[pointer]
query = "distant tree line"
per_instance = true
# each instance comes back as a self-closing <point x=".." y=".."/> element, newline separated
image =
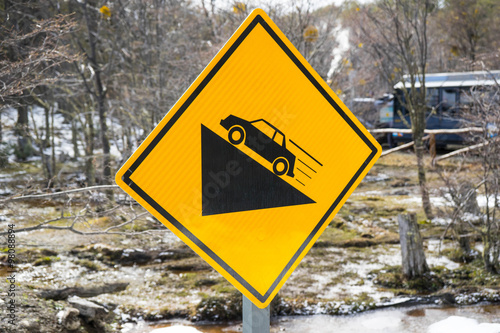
<point x="114" y="69"/>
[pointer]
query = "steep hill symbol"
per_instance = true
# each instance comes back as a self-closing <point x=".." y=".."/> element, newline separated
<point x="234" y="182"/>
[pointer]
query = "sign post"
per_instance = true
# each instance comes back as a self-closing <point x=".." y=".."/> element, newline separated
<point x="255" y="320"/>
<point x="253" y="161"/>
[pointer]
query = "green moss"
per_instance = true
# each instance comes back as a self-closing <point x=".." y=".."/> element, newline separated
<point x="223" y="288"/>
<point x="205" y="282"/>
<point x="470" y="276"/>
<point x="388" y="212"/>
<point x="333" y="236"/>
<point x="220" y="308"/>
<point x="359" y="299"/>
<point x="89" y="264"/>
<point x="45" y="261"/>
<point x="182" y="293"/>
<point x="203" y="295"/>
<point x="392" y="277"/>
<point x="456" y="254"/>
<point x="342" y="278"/>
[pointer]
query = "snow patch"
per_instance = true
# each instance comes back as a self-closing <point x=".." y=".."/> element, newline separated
<point x="376" y="178"/>
<point x="483" y="200"/>
<point x="59" y="317"/>
<point x="457" y="324"/>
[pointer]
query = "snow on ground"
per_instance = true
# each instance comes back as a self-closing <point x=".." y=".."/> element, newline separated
<point x="63" y="137"/>
<point x="435" y="259"/>
<point x="457" y="324"/>
<point x="482" y="201"/>
<point x="386" y="256"/>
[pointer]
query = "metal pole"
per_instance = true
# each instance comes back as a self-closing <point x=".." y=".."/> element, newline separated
<point x="255" y="320"/>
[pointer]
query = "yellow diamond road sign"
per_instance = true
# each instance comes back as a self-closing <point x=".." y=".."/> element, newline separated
<point x="254" y="160"/>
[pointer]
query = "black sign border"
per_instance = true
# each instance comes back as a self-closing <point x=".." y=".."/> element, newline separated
<point x="126" y="177"/>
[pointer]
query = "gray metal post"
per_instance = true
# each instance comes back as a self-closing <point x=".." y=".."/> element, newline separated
<point x="255" y="320"/>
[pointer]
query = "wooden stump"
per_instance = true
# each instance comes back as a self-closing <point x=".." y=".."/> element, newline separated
<point x="468" y="199"/>
<point x="412" y="251"/>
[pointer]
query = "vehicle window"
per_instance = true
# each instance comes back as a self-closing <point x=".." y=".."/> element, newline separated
<point x="386" y="113"/>
<point x="278" y="138"/>
<point x="264" y="128"/>
<point x="465" y="97"/>
<point x="449" y="98"/>
<point x="399" y="103"/>
<point x="432" y="97"/>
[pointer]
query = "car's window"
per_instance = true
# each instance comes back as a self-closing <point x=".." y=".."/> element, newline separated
<point x="466" y="97"/>
<point x="278" y="138"/>
<point x="264" y="128"/>
<point x="449" y="98"/>
<point x="432" y="97"/>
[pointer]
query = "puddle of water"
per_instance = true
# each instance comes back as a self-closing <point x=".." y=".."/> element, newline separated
<point x="413" y="320"/>
<point x="407" y="320"/>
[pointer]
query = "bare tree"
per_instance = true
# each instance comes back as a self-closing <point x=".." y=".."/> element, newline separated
<point x="463" y="185"/>
<point x="30" y="50"/>
<point x="95" y="61"/>
<point x="470" y="27"/>
<point x="395" y="34"/>
<point x="310" y="31"/>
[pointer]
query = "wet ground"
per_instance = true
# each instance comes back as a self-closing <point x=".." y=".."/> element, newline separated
<point x="408" y="320"/>
<point x="338" y="272"/>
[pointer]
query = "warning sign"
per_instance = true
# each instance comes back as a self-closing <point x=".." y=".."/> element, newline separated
<point x="253" y="161"/>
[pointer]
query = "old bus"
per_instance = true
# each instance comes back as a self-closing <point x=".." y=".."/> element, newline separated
<point x="448" y="96"/>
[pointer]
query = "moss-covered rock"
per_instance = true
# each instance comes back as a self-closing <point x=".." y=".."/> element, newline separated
<point x="220" y="308"/>
<point x="45" y="260"/>
<point x="392" y="277"/>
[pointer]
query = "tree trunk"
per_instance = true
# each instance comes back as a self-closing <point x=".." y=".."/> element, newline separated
<point x="74" y="138"/>
<point x="1" y="133"/>
<point x="24" y="148"/>
<point x="467" y="198"/>
<point x="104" y="139"/>
<point x="100" y="94"/>
<point x="89" y="150"/>
<point x="491" y="254"/>
<point x="422" y="181"/>
<point x="46" y="140"/>
<point x="44" y="144"/>
<point x="53" y="144"/>
<point x="412" y="251"/>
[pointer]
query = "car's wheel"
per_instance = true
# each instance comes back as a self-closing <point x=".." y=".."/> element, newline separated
<point x="280" y="166"/>
<point x="236" y="135"/>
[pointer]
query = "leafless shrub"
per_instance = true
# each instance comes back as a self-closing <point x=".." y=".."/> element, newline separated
<point x="479" y="179"/>
<point x="28" y="59"/>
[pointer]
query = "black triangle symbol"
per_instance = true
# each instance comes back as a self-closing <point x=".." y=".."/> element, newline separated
<point x="234" y="182"/>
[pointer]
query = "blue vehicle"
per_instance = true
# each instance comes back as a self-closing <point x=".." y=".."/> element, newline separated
<point x="264" y="139"/>
<point x="448" y="95"/>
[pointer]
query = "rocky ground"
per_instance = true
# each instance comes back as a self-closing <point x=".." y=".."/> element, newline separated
<point x="355" y="265"/>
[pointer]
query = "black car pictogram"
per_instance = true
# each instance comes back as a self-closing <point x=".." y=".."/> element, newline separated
<point x="264" y="139"/>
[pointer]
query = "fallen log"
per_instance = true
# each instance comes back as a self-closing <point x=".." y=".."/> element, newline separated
<point x="61" y="294"/>
<point x="406" y="145"/>
<point x="463" y="150"/>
